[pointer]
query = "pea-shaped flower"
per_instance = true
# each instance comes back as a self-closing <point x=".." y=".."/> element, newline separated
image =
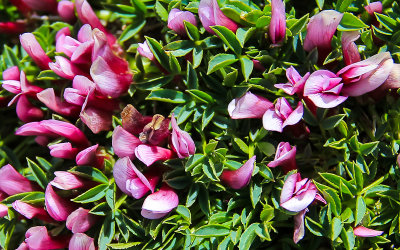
<point x="176" y="20"/>
<point x="181" y="141"/>
<point x="210" y="15"/>
<point x="239" y="178"/>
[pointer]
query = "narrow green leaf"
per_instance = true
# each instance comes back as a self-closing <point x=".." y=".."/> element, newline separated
<point x="332" y="121"/>
<point x="167" y="95"/>
<point x="161" y="11"/>
<point x="44" y="163"/>
<point x="246" y="66"/>
<point x="336" y="228"/>
<point x="192" y="82"/>
<point x="219" y="61"/>
<point x="93" y="194"/>
<point x="129" y="245"/>
<point x="91" y="173"/>
<point x="191" y="31"/>
<point x="106" y="233"/>
<point x="131" y="30"/>
<point x="255" y="193"/>
<point x="208" y="231"/>
<point x="184" y="212"/>
<point x="241" y="145"/>
<point x="367" y="148"/>
<point x="348" y="238"/>
<point x="361" y="208"/>
<point x="207" y="117"/>
<point x="299" y="25"/>
<point x="158" y="53"/>
<point x="229" y="38"/>
<point x="350" y="22"/>
<point x="201" y="95"/>
<point x="38" y="173"/>
<point x="248" y="236"/>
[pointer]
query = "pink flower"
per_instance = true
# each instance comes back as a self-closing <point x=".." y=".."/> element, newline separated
<point x="181" y="141"/>
<point x="55" y="103"/>
<point x="11" y="73"/>
<point x="374" y="7"/>
<point x="144" y="50"/>
<point x="66" y="11"/>
<point x="131" y="181"/>
<point x="96" y="119"/>
<point x="26" y="112"/>
<point x="81" y="241"/>
<point x="133" y="121"/>
<point x="63" y="150"/>
<point x="124" y="143"/>
<point x="285" y="157"/>
<point x="80" y="220"/>
<point x="240" y="177"/>
<point x="3" y="210"/>
<point x="277" y="27"/>
<point x="29" y="211"/>
<point x="248" y="106"/>
<point x="38" y="238"/>
<point x="323" y="89"/>
<point x="210" y="15"/>
<point x="67" y="181"/>
<point x="58" y="207"/>
<point x="16" y="27"/>
<point x="12" y="182"/>
<point x="297" y="194"/>
<point x="65" y="68"/>
<point x="282" y="115"/>
<point x="299" y="231"/>
<point x="160" y="203"/>
<point x="88" y="156"/>
<point x="365" y="76"/>
<point x="150" y="154"/>
<point x="176" y="20"/>
<point x="295" y="84"/>
<point x="42" y="5"/>
<point x="361" y="231"/>
<point x="34" y="50"/>
<point x="349" y="48"/>
<point x="320" y="31"/>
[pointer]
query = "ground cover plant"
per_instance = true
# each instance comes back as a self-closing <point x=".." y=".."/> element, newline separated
<point x="208" y="124"/>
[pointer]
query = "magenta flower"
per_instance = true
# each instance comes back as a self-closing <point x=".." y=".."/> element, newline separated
<point x="65" y="68"/>
<point x="66" y="11"/>
<point x="149" y="154"/>
<point x="96" y="119"/>
<point x="55" y="103"/>
<point x="295" y="84"/>
<point x="42" y="5"/>
<point x="181" y="141"/>
<point x="11" y="73"/>
<point x="248" y="106"/>
<point x="124" y="143"/>
<point x="81" y="241"/>
<point x="144" y="50"/>
<point x="67" y="181"/>
<point x="131" y="181"/>
<point x="210" y="15"/>
<point x="240" y="177"/>
<point x="361" y="231"/>
<point x="59" y="208"/>
<point x="34" y="50"/>
<point x="16" y="27"/>
<point x="282" y="115"/>
<point x="12" y="182"/>
<point x="374" y="7"/>
<point x="365" y="76"/>
<point x="277" y="27"/>
<point x="297" y="194"/>
<point x="349" y="48"/>
<point x="80" y="220"/>
<point x="89" y="157"/>
<point x="26" y="111"/>
<point x="176" y="20"/>
<point x="39" y="238"/>
<point x="285" y="157"/>
<point x="299" y="228"/>
<point x="160" y="203"/>
<point x="3" y="210"/>
<point x="63" y="150"/>
<point x="320" y="31"/>
<point x="323" y="89"/>
<point x="29" y="211"/>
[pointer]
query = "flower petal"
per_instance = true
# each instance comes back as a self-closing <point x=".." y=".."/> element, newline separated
<point x="239" y="178"/>
<point x="150" y="154"/>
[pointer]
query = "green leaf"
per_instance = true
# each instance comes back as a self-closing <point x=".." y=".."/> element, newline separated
<point x="161" y="11"/>
<point x="140" y="6"/>
<point x="10" y="57"/>
<point x="336" y="228"/>
<point x="208" y="231"/>
<point x="201" y="95"/>
<point x="229" y="38"/>
<point x="159" y="53"/>
<point x="335" y="181"/>
<point x="361" y="208"/>
<point x="387" y="22"/>
<point x="193" y="161"/>
<point x="348" y="238"/>
<point x="44" y="163"/>
<point x="192" y="195"/>
<point x="106" y="233"/>
<point x="204" y="200"/>
<point x="320" y="4"/>
<point x="34" y="198"/>
<point x="350" y="22"/>
<point x="209" y="170"/>
<point x="101" y="209"/>
<point x="91" y="173"/>
<point x="333" y="200"/>
<point x="167" y="95"/>
<point x="38" y="173"/>
<point x="342" y="5"/>
<point x="93" y="194"/>
<point x="315" y="228"/>
<point x="219" y="61"/>
<point x="184" y="212"/>
<point x="299" y="25"/>
<point x="192" y="31"/>
<point x="244" y="34"/>
<point x="241" y="145"/>
<point x="129" y="245"/>
<point x="153" y="83"/>
<point x="208" y="114"/>
<point x="249" y="235"/>
<point x="247" y="67"/>
<point x="47" y="75"/>
<point x="255" y="193"/>
<point x="192" y="82"/>
<point x="131" y="30"/>
<point x="367" y="148"/>
<point x="332" y="121"/>
<point x="197" y="56"/>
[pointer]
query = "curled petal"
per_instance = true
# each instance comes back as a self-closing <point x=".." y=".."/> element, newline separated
<point x="182" y="143"/>
<point x="12" y="182"/>
<point x="67" y="181"/>
<point x="272" y="121"/>
<point x="349" y="48"/>
<point x="67" y="130"/>
<point x="277" y="27"/>
<point x="26" y="112"/>
<point x="150" y="154"/>
<point x="13" y="86"/>
<point x="42" y="5"/>
<point x="3" y="210"/>
<point x="361" y="231"/>
<point x="38" y="238"/>
<point x="210" y="15"/>
<point x="239" y="178"/>
<point x="374" y="7"/>
<point x="30" y="211"/>
<point x="160" y="203"/>
<point x="11" y="73"/>
<point x="133" y="121"/>
<point x="176" y="18"/>
<point x="295" y="116"/>
<point x="301" y="201"/>
<point x="53" y="102"/>
<point x="80" y="220"/>
<point x="81" y="241"/>
<point x="248" y="106"/>
<point x="285" y="156"/>
<point x="289" y="187"/>
<point x="124" y="143"/>
<point x="96" y="119"/>
<point x="64" y="68"/>
<point x="66" y="11"/>
<point x="58" y="207"/>
<point x="298" y="233"/>
<point x="87" y="156"/>
<point x="34" y="50"/>
<point x="63" y="150"/>
<point x="144" y="50"/>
